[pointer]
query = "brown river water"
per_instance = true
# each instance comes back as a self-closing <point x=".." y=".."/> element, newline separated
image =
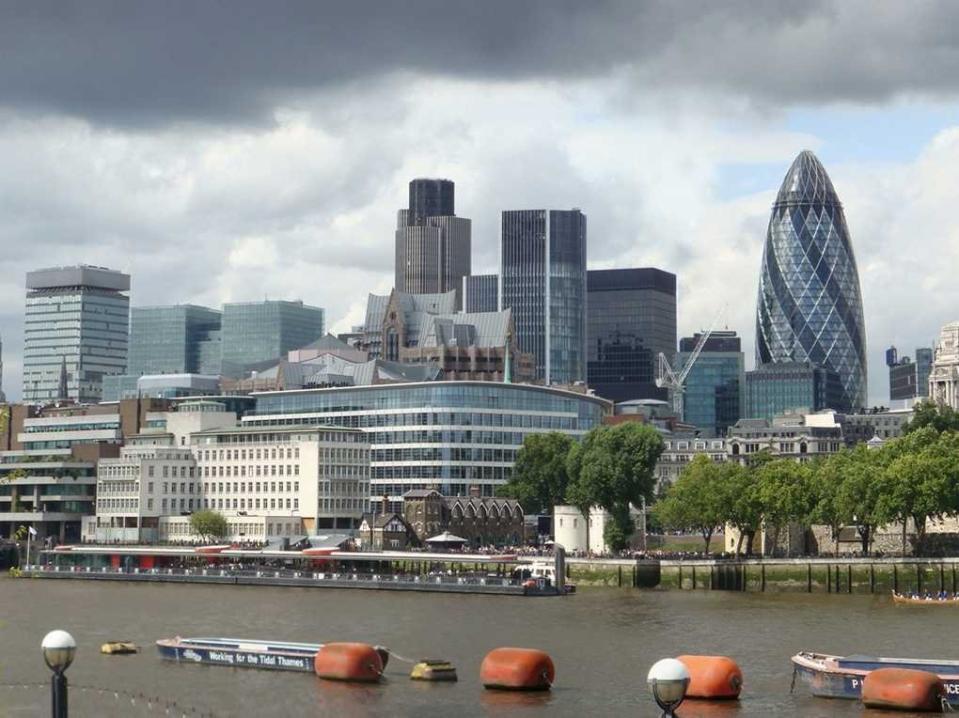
<point x="602" y="641"/>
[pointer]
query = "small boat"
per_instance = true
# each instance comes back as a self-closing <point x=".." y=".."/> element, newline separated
<point x="119" y="648"/>
<point x="898" y="598"/>
<point x="830" y="676"/>
<point x="244" y="653"/>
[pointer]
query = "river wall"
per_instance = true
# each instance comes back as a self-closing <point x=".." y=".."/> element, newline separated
<point x="879" y="576"/>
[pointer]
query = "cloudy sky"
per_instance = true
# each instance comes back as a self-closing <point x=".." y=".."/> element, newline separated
<point x="224" y="151"/>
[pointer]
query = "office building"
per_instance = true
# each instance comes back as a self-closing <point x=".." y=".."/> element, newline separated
<point x="543" y="280"/>
<point x="630" y="319"/>
<point x="76" y="330"/>
<point x="809" y="306"/>
<point x="774" y="389"/>
<point x="178" y="339"/>
<point x="908" y="380"/>
<point x="433" y="246"/>
<point x="452" y="436"/>
<point x="481" y="293"/>
<point x="255" y="332"/>
<point x="715" y="386"/>
<point x="426" y="329"/>
<point x="944" y="375"/>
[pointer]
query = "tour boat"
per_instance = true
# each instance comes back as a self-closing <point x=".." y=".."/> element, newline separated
<point x="919" y="601"/>
<point x="842" y="676"/>
<point x="245" y="653"/>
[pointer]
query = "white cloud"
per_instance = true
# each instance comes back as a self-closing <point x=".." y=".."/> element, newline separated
<point x="305" y="208"/>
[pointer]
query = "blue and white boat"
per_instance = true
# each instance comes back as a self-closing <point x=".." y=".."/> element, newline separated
<point x="240" y="653"/>
<point x="842" y="676"/>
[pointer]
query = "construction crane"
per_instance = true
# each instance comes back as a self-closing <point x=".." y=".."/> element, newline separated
<point x="676" y="382"/>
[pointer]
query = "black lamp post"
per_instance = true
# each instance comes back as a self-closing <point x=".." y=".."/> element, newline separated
<point x="58" y="651"/>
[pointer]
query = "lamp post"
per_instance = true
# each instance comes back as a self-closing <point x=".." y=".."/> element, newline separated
<point x="668" y="680"/>
<point x="58" y="651"/>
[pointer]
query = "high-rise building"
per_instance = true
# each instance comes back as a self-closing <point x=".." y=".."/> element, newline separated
<point x="784" y="387"/>
<point x="170" y="340"/>
<point x="630" y="319"/>
<point x="810" y="307"/>
<point x="481" y="293"/>
<point x="543" y="280"/>
<point x="908" y="380"/>
<point x="254" y="332"/>
<point x="715" y="386"/>
<point x="433" y="245"/>
<point x="75" y="328"/>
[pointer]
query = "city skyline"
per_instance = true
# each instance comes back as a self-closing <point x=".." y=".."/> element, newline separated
<point x="284" y="183"/>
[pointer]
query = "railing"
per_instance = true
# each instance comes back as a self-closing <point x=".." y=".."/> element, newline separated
<point x="268" y="573"/>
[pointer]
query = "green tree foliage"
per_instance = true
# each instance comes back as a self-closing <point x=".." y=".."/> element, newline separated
<point x="786" y="494"/>
<point x="539" y="478"/>
<point x="930" y="414"/>
<point x="697" y="501"/>
<point x="617" y="532"/>
<point x="744" y="509"/>
<point x="208" y="525"/>
<point x="613" y="468"/>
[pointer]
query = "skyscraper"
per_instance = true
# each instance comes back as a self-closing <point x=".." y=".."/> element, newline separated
<point x="171" y="340"/>
<point x="254" y="332"/>
<point x="907" y="380"/>
<point x="809" y="306"/>
<point x="433" y="246"/>
<point x="715" y="387"/>
<point x="630" y="319"/>
<point x="543" y="280"/>
<point x="75" y="332"/>
<point x="481" y="293"/>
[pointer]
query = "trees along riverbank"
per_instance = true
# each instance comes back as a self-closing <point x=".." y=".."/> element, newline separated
<point x="612" y="467"/>
<point x="912" y="477"/>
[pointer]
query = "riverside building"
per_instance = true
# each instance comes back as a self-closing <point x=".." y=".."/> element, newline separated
<point x="714" y="398"/>
<point x="75" y="332"/>
<point x="452" y="436"/>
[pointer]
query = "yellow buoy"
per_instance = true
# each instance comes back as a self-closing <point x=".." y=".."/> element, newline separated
<point x="433" y="669"/>
<point x="119" y="647"/>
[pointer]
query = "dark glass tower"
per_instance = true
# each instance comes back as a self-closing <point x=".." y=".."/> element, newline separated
<point x="810" y="307"/>
<point x="543" y="280"/>
<point x="630" y="319"/>
<point x="433" y="246"/>
<point x="430" y="198"/>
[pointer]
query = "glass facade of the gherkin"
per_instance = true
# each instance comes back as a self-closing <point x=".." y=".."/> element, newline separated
<point x="810" y="306"/>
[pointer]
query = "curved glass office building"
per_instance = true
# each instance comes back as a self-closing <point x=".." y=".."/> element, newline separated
<point x="810" y="306"/>
<point x="454" y="436"/>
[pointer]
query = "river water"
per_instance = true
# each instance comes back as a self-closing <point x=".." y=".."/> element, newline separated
<point x="602" y="641"/>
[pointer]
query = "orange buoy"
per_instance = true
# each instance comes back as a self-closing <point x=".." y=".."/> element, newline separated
<point x="712" y="677"/>
<point x="517" y="669"/>
<point x="903" y="689"/>
<point x="348" y="662"/>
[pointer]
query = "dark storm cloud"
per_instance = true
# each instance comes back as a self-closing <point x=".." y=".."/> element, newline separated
<point x="133" y="63"/>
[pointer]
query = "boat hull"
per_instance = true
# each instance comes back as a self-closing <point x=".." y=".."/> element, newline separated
<point x="846" y="683"/>
<point x="235" y="657"/>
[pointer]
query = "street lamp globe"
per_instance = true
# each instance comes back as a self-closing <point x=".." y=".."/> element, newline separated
<point x="668" y="680"/>
<point x="58" y="650"/>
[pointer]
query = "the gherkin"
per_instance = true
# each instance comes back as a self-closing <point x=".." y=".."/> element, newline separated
<point x="810" y="306"/>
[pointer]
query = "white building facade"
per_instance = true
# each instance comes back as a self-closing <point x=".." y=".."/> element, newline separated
<point x="944" y="377"/>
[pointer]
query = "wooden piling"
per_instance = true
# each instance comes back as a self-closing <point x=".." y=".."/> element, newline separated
<point x="808" y="578"/>
<point x="694" y="577"/>
<point x="849" y="576"/>
<point x="872" y="578"/>
<point x="895" y="578"/>
<point x="762" y="587"/>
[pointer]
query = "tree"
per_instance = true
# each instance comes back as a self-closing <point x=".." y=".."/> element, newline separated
<point x="613" y="468"/>
<point x="616" y="533"/>
<point x="697" y="500"/>
<point x="785" y="494"/>
<point x="921" y="480"/>
<point x="858" y="490"/>
<point x="744" y="510"/>
<point x="928" y="413"/>
<point x="539" y="476"/>
<point x="208" y="525"/>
